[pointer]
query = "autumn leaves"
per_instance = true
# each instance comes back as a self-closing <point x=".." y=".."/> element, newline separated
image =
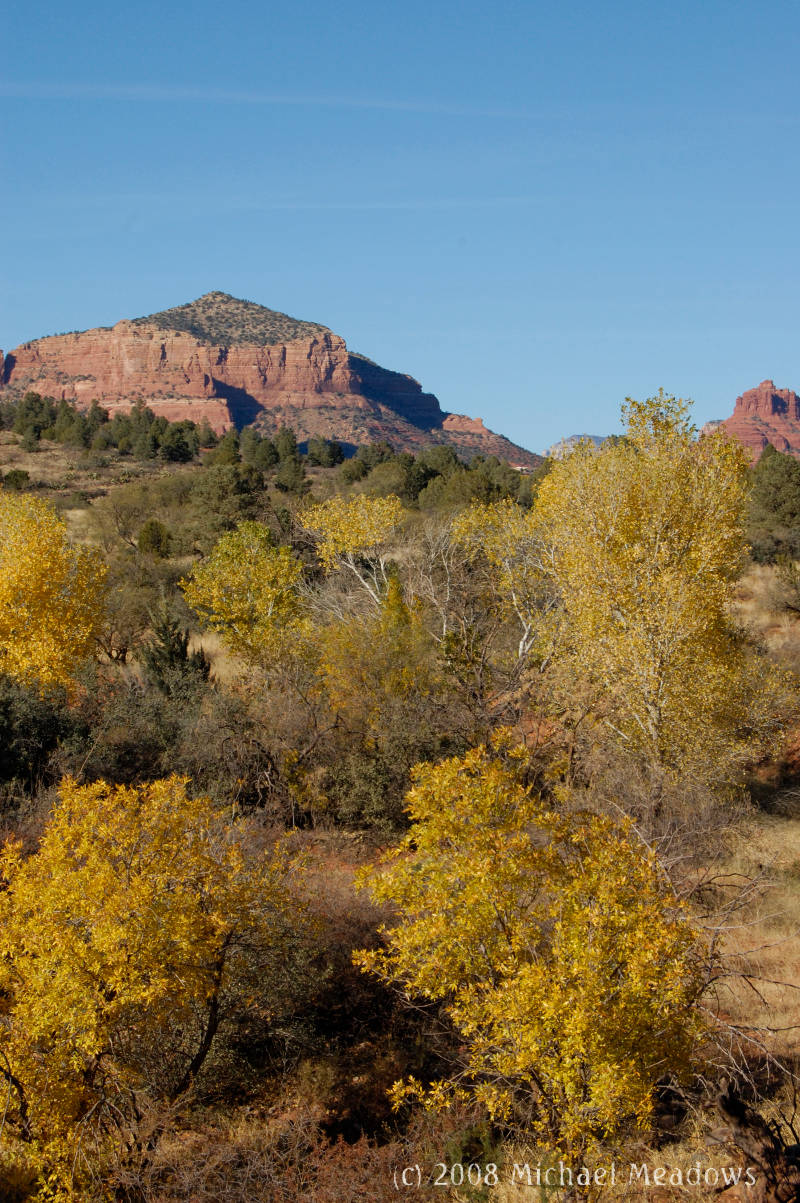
<point x="553" y="943"/>
<point x="51" y="593"/>
<point x="527" y="906"/>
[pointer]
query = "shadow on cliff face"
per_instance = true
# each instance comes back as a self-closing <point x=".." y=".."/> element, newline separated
<point x="397" y="392"/>
<point x="244" y="408"/>
<point x="349" y="449"/>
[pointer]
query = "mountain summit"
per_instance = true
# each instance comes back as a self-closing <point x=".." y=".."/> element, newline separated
<point x="219" y="318"/>
<point x="236" y="363"/>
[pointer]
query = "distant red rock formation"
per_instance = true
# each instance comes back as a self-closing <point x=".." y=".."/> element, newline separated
<point x="766" y="414"/>
<point x="235" y="363"/>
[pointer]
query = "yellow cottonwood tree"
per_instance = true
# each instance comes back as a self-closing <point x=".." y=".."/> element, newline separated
<point x="553" y="943"/>
<point x="247" y="590"/>
<point x="126" y="940"/>
<point x="508" y="537"/>
<point x="646" y="542"/>
<point x="353" y="533"/>
<point x="52" y="594"/>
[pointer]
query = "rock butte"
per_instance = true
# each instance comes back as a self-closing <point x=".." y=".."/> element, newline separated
<point x="235" y="363"/>
<point x="766" y="414"/>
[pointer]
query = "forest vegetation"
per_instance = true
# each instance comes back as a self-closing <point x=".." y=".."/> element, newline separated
<point x="373" y="812"/>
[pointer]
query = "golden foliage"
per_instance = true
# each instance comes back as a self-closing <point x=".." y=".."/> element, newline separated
<point x="353" y="525"/>
<point x="52" y="594"/>
<point x="368" y="664"/>
<point x="247" y="591"/>
<point x="353" y="532"/>
<point x="122" y="941"/>
<point x="646" y="538"/>
<point x="553" y="942"/>
<point x="506" y="535"/>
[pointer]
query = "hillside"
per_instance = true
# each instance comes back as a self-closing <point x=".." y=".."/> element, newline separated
<point x="235" y="363"/>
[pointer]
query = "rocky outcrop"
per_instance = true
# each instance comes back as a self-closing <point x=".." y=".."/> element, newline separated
<point x="766" y="414"/>
<point x="235" y="363"/>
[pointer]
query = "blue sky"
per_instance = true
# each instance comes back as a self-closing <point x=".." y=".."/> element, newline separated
<point x="535" y="209"/>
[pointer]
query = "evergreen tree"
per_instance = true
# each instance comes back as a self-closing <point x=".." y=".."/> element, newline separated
<point x="266" y="455"/>
<point x="176" y="446"/>
<point x="205" y="435"/>
<point x="291" y="476"/>
<point x="774" y="512"/>
<point x="286" y="444"/>
<point x="249" y="441"/>
<point x="227" y="450"/>
<point x="154" y="539"/>
<point x="324" y="453"/>
<point x="169" y="665"/>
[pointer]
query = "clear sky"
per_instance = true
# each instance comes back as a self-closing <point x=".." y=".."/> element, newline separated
<point x="534" y="208"/>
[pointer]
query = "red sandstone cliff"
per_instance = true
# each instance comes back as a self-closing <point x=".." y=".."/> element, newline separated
<point x="235" y="363"/>
<point x="766" y="415"/>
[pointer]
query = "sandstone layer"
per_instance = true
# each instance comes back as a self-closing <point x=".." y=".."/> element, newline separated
<point x="235" y="364"/>
<point x="766" y="414"/>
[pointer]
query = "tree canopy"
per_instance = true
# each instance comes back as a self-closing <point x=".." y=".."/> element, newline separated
<point x="52" y="593"/>
<point x="247" y="590"/>
<point x="353" y="533"/>
<point x="646" y="539"/>
<point x="552" y="941"/>
<point x="126" y="940"/>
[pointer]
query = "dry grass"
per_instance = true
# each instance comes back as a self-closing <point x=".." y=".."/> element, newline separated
<point x="284" y="1158"/>
<point x="763" y="941"/>
<point x="60" y="473"/>
<point x="760" y="608"/>
<point x="225" y="668"/>
<point x="274" y="1160"/>
<point x="620" y="1176"/>
<point x="756" y="605"/>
